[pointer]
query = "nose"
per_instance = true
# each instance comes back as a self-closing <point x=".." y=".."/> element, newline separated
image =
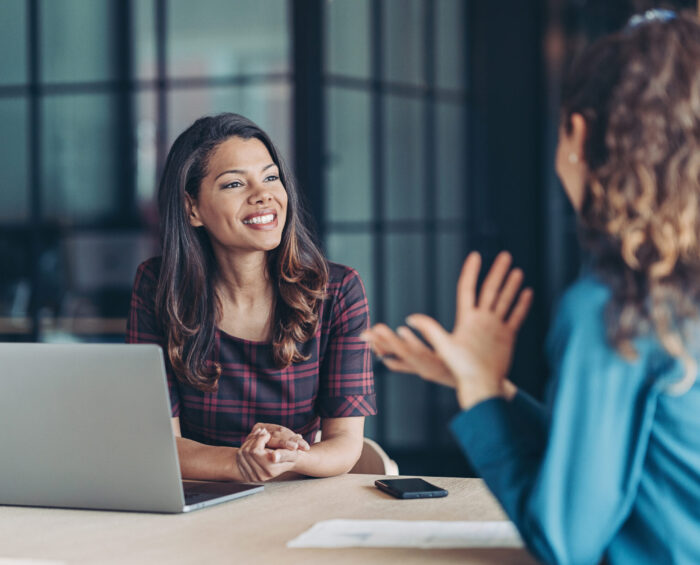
<point x="259" y="195"/>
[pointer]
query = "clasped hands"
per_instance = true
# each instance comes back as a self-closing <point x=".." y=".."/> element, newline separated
<point x="268" y="451"/>
<point x="476" y="356"/>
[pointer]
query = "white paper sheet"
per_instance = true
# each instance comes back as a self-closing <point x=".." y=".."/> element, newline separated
<point x="406" y="533"/>
<point x="23" y="561"/>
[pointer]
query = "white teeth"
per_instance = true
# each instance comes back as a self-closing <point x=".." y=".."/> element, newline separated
<point x="266" y="219"/>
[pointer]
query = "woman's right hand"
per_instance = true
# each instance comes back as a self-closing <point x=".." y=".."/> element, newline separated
<point x="403" y="352"/>
<point x="282" y="438"/>
<point x="259" y="463"/>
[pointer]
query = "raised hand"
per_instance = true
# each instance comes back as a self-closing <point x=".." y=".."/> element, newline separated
<point x="403" y="352"/>
<point x="479" y="351"/>
<point x="477" y="355"/>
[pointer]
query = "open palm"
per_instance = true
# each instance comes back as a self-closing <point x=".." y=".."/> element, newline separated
<point x="478" y="353"/>
<point x="480" y="348"/>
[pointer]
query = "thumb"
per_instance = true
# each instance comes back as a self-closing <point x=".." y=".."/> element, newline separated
<point x="283" y="456"/>
<point x="430" y="329"/>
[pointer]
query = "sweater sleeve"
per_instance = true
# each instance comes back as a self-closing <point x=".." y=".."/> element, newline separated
<point x="568" y="486"/>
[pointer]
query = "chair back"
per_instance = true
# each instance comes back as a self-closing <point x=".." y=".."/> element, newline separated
<point x="374" y="461"/>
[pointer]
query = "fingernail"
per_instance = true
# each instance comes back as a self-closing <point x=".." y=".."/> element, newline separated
<point x="276" y="457"/>
<point x="364" y="336"/>
<point x="409" y="321"/>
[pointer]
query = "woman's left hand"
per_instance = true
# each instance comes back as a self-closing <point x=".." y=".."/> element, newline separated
<point x="257" y="463"/>
<point x="478" y="352"/>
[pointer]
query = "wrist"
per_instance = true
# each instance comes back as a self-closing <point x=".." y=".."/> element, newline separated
<point x="509" y="390"/>
<point x="469" y="395"/>
<point x="301" y="463"/>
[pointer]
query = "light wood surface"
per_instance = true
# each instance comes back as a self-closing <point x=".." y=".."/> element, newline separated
<point x="250" y="530"/>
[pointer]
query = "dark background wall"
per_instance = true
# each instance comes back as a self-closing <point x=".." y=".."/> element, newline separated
<point x="418" y="129"/>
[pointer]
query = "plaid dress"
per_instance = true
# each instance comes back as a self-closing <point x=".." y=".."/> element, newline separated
<point x="335" y="382"/>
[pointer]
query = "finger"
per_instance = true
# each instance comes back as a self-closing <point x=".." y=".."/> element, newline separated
<point x="243" y="467"/>
<point x="246" y="454"/>
<point x="414" y="344"/>
<point x="494" y="280"/>
<point x="283" y="438"/>
<point x="431" y="330"/>
<point x="522" y="306"/>
<point x="504" y="300"/>
<point x="466" y="286"/>
<point x="283" y="456"/>
<point x="258" y="463"/>
<point x="251" y="437"/>
<point x="370" y="337"/>
<point x="384" y="348"/>
<point x="282" y="442"/>
<point x="303" y="444"/>
<point x="392" y="343"/>
<point x="259" y="441"/>
<point x="258" y="428"/>
<point x="399" y="366"/>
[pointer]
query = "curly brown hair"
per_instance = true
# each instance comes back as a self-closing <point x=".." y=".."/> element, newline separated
<point x="639" y="94"/>
<point x="186" y="301"/>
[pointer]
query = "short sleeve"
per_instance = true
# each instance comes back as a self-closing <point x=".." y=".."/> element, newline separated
<point x="346" y="380"/>
<point x="142" y="325"/>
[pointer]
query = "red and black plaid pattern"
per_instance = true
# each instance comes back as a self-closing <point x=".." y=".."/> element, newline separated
<point x="335" y="382"/>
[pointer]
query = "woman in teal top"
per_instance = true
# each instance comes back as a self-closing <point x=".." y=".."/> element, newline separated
<point x="610" y="469"/>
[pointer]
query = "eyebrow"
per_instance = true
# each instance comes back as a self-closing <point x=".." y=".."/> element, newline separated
<point x="243" y="171"/>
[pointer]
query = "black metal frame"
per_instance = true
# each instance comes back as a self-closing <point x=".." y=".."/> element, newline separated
<point x="37" y="229"/>
<point x="429" y="227"/>
<point x="488" y="131"/>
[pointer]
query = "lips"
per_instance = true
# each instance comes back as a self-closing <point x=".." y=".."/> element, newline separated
<point x="261" y="220"/>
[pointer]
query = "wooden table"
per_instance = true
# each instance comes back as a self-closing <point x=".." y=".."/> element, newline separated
<point x="251" y="530"/>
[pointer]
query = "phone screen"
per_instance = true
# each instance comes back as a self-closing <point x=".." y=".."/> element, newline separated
<point x="410" y="488"/>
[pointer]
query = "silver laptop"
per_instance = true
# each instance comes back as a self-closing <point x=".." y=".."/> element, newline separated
<point x="88" y="426"/>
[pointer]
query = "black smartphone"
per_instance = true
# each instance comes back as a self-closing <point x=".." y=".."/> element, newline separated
<point x="410" y="488"/>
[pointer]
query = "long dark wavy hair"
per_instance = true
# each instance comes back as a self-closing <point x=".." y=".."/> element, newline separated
<point x="187" y="305"/>
<point x="639" y="94"/>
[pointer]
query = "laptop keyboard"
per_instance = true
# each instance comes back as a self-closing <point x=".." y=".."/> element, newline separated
<point x="193" y="497"/>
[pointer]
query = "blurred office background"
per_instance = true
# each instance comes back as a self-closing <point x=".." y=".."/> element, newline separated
<point x="418" y="129"/>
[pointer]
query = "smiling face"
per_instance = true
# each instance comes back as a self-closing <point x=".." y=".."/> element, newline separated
<point x="242" y="203"/>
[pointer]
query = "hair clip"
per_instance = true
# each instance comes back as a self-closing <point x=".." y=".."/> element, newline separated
<point x="655" y="15"/>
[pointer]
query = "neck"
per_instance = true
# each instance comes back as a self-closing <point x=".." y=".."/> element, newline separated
<point x="243" y="279"/>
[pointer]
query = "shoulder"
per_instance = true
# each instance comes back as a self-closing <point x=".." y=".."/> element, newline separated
<point x="147" y="273"/>
<point x="346" y="301"/>
<point x="584" y="300"/>
<point x="580" y="315"/>
<point x="343" y="280"/>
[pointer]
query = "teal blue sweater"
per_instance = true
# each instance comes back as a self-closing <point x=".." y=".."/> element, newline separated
<point x="611" y="467"/>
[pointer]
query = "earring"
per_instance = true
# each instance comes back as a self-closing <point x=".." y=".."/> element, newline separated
<point x="573" y="158"/>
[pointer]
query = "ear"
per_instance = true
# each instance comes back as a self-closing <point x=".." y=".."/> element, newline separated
<point x="192" y="212"/>
<point x="577" y="136"/>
